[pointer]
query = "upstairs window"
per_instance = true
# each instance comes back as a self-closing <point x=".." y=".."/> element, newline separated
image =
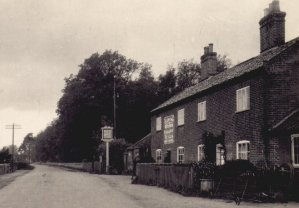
<point x="159" y="156"/>
<point x="243" y="99"/>
<point x="158" y="124"/>
<point x="181" y="117"/>
<point x="200" y="152"/>
<point x="202" y="111"/>
<point x="243" y="150"/>
<point x="180" y="154"/>
<point x="295" y="149"/>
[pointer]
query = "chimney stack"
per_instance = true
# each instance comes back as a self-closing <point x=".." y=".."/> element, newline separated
<point x="208" y="62"/>
<point x="272" y="27"/>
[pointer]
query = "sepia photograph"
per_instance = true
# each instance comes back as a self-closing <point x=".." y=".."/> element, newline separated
<point x="149" y="104"/>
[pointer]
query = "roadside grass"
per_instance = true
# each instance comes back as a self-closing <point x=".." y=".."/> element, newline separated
<point x="6" y="179"/>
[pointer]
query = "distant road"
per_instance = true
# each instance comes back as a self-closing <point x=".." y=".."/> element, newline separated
<point x="51" y="187"/>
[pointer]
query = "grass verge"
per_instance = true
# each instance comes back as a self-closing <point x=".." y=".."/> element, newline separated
<point x="8" y="178"/>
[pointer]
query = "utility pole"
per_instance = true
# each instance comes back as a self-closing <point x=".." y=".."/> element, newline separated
<point x="13" y="127"/>
<point x="114" y="106"/>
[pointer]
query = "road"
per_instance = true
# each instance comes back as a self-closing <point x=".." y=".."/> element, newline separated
<point x="51" y="187"/>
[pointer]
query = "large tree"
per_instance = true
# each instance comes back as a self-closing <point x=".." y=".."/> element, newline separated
<point x="87" y="105"/>
<point x="27" y="148"/>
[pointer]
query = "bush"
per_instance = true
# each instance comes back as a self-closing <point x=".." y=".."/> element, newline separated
<point x="236" y="168"/>
<point x="24" y="166"/>
<point x="204" y="170"/>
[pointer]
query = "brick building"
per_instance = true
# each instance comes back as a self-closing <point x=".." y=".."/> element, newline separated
<point x="253" y="107"/>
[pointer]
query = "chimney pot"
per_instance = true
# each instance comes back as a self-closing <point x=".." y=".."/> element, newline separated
<point x="267" y="11"/>
<point x="271" y="7"/>
<point x="275" y="6"/>
<point x="211" y="48"/>
<point x="206" y="50"/>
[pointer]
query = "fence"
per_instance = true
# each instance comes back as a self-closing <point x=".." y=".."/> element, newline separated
<point x="177" y="177"/>
<point x="227" y="182"/>
<point x="4" y="168"/>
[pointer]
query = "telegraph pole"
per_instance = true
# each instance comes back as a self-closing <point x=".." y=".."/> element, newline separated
<point x="114" y="106"/>
<point x="13" y="127"/>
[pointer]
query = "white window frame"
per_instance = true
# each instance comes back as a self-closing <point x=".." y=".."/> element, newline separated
<point x="180" y="154"/>
<point x="220" y="150"/>
<point x="293" y="137"/>
<point x="159" y="123"/>
<point x="238" y="151"/>
<point x="181" y="117"/>
<point x="202" y="111"/>
<point x="243" y="99"/>
<point x="158" y="156"/>
<point x="200" y="152"/>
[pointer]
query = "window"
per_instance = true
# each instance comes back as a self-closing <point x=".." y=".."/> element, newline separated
<point x="180" y="154"/>
<point x="295" y="150"/>
<point x="220" y="159"/>
<point x="158" y="155"/>
<point x="202" y="111"/>
<point x="243" y="99"/>
<point x="181" y="117"/>
<point x="243" y="150"/>
<point x="158" y="124"/>
<point x="200" y="152"/>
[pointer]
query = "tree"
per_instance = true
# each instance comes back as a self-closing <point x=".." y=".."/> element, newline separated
<point x="167" y="84"/>
<point x="188" y="74"/>
<point x="5" y="157"/>
<point x="13" y="149"/>
<point x="223" y="63"/>
<point x="27" y="149"/>
<point x="87" y="104"/>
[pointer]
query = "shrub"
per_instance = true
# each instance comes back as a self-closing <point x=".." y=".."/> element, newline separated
<point x="24" y="166"/>
<point x="236" y="168"/>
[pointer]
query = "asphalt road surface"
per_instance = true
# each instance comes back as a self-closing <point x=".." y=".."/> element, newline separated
<point x="51" y="187"/>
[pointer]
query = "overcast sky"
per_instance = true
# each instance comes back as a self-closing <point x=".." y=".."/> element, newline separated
<point x="42" y="42"/>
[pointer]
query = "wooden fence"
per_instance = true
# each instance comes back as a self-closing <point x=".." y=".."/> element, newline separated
<point x="182" y="178"/>
<point x="5" y="168"/>
<point x="173" y="176"/>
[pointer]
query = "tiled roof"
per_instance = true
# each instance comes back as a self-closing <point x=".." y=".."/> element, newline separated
<point x="141" y="143"/>
<point x="229" y="74"/>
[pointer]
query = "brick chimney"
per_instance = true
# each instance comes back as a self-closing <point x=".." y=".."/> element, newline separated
<point x="272" y="27"/>
<point x="208" y="62"/>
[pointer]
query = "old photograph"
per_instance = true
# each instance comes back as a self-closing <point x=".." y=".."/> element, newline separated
<point x="149" y="103"/>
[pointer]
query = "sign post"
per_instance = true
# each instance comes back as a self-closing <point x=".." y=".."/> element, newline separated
<point x="107" y="136"/>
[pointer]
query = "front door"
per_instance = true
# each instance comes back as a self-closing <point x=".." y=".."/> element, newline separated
<point x="167" y="158"/>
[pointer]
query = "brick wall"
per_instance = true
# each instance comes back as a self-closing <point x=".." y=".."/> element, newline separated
<point x="283" y="85"/>
<point x="221" y="116"/>
<point x="282" y="99"/>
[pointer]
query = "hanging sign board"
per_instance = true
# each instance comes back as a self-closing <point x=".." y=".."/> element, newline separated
<point x="107" y="133"/>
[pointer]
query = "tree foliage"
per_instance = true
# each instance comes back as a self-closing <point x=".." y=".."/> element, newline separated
<point x="5" y="156"/>
<point x="27" y="149"/>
